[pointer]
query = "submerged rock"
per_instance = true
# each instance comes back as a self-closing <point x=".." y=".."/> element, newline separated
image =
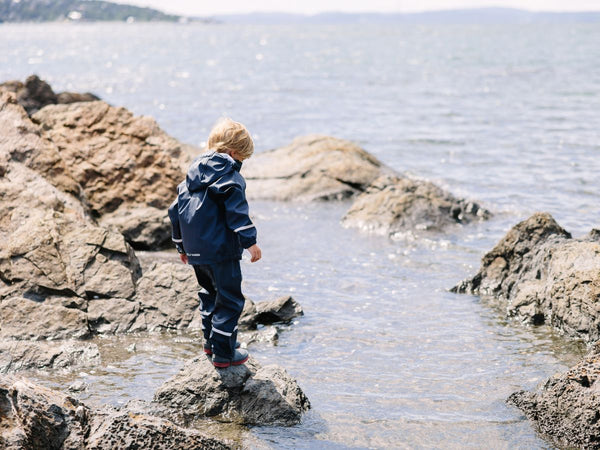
<point x="37" y="418"/>
<point x="393" y="204"/>
<point x="542" y="275"/>
<point x="248" y="394"/>
<point x="35" y="93"/>
<point x="326" y="168"/>
<point x="566" y="408"/>
<point x="127" y="166"/>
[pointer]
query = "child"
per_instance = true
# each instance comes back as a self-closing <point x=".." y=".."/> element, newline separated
<point x="211" y="228"/>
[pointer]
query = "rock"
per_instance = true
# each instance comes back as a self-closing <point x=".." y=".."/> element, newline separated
<point x="392" y="204"/>
<point x="35" y="93"/>
<point x="37" y="418"/>
<point x="248" y="394"/>
<point x="17" y="356"/>
<point x="23" y="142"/>
<point x="326" y="168"/>
<point x="127" y="166"/>
<point x="566" y="408"/>
<point x="540" y="274"/>
<point x="66" y="98"/>
<point x="311" y="168"/>
<point x="280" y="310"/>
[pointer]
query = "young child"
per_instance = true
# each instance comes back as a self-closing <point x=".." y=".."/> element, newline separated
<point x="211" y="228"/>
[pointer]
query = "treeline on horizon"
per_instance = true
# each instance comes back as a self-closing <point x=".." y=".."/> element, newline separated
<point x="98" y="10"/>
<point x="83" y="10"/>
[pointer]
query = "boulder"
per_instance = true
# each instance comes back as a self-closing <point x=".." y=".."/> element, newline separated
<point x="18" y="355"/>
<point x="540" y="274"/>
<point x="127" y="166"/>
<point x="566" y="408"/>
<point x="311" y="168"/>
<point x="325" y="168"/>
<point x="37" y="418"/>
<point x="393" y="204"/>
<point x="35" y="93"/>
<point x="247" y="394"/>
<point x="280" y="310"/>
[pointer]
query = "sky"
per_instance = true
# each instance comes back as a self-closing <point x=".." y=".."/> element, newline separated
<point x="211" y="7"/>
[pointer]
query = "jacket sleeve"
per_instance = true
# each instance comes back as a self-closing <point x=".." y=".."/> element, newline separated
<point x="176" y="230"/>
<point x="237" y="216"/>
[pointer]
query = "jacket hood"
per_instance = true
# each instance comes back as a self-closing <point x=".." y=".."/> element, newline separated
<point x="208" y="168"/>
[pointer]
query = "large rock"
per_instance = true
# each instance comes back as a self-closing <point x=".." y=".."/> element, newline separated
<point x="247" y="394"/>
<point x="393" y="204"/>
<point x="280" y="310"/>
<point x="35" y="93"/>
<point x="18" y="355"/>
<point x="566" y="408"/>
<point x="326" y="168"/>
<point x="311" y="168"/>
<point x="127" y="166"/>
<point x="37" y="418"/>
<point x="540" y="274"/>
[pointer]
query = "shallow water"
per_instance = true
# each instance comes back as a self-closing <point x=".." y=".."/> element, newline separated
<point x="507" y="115"/>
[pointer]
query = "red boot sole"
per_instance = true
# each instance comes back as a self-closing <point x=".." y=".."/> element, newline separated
<point x="227" y="364"/>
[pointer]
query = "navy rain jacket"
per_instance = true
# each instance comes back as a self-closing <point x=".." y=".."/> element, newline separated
<point x="210" y="214"/>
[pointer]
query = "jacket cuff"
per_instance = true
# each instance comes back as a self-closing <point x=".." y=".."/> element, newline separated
<point x="247" y="243"/>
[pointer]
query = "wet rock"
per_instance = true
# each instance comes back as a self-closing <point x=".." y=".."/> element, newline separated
<point x="326" y="168"/>
<point x="280" y="310"/>
<point x="566" y="408"/>
<point x="18" y="356"/>
<point x="127" y="166"/>
<point x="38" y="418"/>
<point x="540" y="274"/>
<point x="246" y="394"/>
<point x="392" y="204"/>
<point x="311" y="168"/>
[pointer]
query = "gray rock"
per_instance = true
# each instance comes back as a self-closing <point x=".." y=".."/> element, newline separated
<point x="393" y="204"/>
<point x="311" y="168"/>
<point x="540" y="274"/>
<point x="37" y="418"/>
<point x="247" y="394"/>
<point x="66" y="98"/>
<point x="19" y="355"/>
<point x="326" y="168"/>
<point x="280" y="310"/>
<point x="566" y="408"/>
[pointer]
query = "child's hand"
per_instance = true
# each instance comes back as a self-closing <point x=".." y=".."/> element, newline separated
<point x="183" y="258"/>
<point x="255" y="253"/>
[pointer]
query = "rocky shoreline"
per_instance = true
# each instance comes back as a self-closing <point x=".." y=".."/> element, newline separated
<point x="539" y="274"/>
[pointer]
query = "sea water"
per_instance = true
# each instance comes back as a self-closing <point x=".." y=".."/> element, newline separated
<point x="505" y="115"/>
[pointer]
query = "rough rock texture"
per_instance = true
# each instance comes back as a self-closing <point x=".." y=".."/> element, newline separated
<point x="325" y="168"/>
<point x="543" y="275"/>
<point x="310" y="168"/>
<point x="393" y="204"/>
<point x="566" y="408"/>
<point x="18" y="355"/>
<point x="246" y="394"/>
<point x="127" y="166"/>
<point x="36" y="418"/>
<point x="280" y="310"/>
<point x="23" y="142"/>
<point x="35" y="93"/>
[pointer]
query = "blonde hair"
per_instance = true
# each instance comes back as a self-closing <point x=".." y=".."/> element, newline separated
<point x="230" y="135"/>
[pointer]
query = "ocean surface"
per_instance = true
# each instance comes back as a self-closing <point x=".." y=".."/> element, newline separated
<point x="506" y="115"/>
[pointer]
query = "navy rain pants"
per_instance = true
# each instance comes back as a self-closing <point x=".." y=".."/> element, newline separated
<point x="221" y="304"/>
